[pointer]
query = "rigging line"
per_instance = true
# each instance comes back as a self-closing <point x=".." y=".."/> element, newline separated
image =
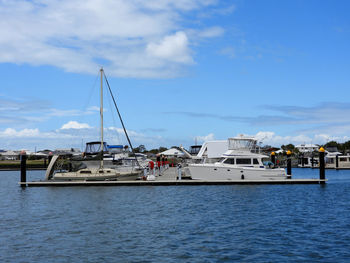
<point x="121" y="120"/>
<point x="113" y="118"/>
<point x="90" y="93"/>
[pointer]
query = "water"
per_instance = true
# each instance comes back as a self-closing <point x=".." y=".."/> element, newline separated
<point x="244" y="223"/>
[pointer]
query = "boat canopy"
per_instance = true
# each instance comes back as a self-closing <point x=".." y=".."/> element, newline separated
<point x="95" y="147"/>
<point x="242" y="143"/>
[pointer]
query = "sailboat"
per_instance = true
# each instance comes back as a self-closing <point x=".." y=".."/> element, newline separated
<point x="99" y="172"/>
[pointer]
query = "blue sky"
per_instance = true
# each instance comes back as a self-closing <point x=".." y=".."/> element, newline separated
<point x="277" y="70"/>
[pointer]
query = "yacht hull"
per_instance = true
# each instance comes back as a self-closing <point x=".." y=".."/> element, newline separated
<point x="97" y="176"/>
<point x="211" y="172"/>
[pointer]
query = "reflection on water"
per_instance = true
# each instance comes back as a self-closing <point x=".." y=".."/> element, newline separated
<point x="260" y="223"/>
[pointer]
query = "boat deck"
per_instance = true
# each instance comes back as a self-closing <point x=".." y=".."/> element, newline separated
<point x="168" y="178"/>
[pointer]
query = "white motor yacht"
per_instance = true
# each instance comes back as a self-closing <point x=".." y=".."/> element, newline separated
<point x="240" y="162"/>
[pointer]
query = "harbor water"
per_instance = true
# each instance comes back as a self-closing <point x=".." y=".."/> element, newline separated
<point x="243" y="223"/>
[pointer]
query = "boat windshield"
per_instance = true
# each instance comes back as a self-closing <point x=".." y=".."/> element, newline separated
<point x="241" y="144"/>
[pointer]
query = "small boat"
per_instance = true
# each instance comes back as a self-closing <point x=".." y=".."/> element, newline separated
<point x="240" y="162"/>
<point x="92" y="167"/>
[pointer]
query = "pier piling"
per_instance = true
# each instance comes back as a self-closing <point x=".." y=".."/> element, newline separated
<point x="289" y="164"/>
<point x="336" y="161"/>
<point x="273" y="158"/>
<point x="23" y="157"/>
<point x="322" y="165"/>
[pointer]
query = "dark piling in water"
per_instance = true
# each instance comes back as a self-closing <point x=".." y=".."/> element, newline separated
<point x="322" y="165"/>
<point x="336" y="161"/>
<point x="302" y="160"/>
<point x="23" y="168"/>
<point x="273" y="158"/>
<point x="289" y="164"/>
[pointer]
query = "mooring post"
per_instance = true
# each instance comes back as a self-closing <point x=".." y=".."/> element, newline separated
<point x="273" y="159"/>
<point x="289" y="164"/>
<point x="302" y="160"/>
<point x="23" y="157"/>
<point x="336" y="161"/>
<point x="322" y="165"/>
<point x="312" y="160"/>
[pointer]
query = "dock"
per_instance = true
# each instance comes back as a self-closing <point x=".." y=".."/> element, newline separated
<point x="169" y="178"/>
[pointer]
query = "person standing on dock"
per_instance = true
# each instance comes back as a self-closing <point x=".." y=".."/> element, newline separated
<point x="158" y="163"/>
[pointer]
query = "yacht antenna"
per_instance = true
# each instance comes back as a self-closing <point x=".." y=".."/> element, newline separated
<point x="101" y="115"/>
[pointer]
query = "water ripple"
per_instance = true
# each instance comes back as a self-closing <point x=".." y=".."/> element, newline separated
<point x="266" y="223"/>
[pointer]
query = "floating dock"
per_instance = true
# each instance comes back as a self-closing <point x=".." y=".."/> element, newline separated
<point x="168" y="183"/>
<point x="169" y="178"/>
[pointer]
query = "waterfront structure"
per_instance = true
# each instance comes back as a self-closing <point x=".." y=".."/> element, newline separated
<point x="305" y="148"/>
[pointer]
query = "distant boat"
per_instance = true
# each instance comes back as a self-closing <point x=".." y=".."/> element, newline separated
<point x="238" y="163"/>
<point x="95" y="170"/>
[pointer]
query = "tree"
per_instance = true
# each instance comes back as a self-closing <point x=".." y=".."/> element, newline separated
<point x="140" y="149"/>
<point x="332" y="144"/>
<point x="154" y="151"/>
<point x="346" y="146"/>
<point x="289" y="147"/>
<point x="162" y="149"/>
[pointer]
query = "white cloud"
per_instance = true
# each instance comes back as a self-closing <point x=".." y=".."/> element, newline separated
<point x="12" y="133"/>
<point x="209" y="137"/>
<point x="172" y="48"/>
<point x="134" y="38"/>
<point x="71" y="134"/>
<point x="271" y="138"/>
<point x="75" y="125"/>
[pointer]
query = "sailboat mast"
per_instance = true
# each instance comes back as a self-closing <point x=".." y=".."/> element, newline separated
<point x="101" y="117"/>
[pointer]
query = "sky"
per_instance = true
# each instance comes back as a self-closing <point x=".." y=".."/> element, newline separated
<point x="182" y="72"/>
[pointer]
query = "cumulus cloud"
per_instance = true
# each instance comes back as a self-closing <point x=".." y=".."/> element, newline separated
<point x="75" y="125"/>
<point x="71" y="134"/>
<point x="12" y="133"/>
<point x="271" y="138"/>
<point x="172" y="48"/>
<point x="133" y="38"/>
<point x="209" y="137"/>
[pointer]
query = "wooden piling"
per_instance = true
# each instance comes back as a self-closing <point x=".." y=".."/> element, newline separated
<point x="23" y="157"/>
<point x="322" y="165"/>
<point x="336" y="161"/>
<point x="273" y="158"/>
<point x="302" y="160"/>
<point x="289" y="164"/>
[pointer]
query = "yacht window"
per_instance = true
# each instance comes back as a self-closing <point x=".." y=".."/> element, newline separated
<point x="230" y="161"/>
<point x="255" y="161"/>
<point x="342" y="159"/>
<point x="243" y="161"/>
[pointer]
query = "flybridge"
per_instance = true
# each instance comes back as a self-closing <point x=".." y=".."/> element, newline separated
<point x="242" y="143"/>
